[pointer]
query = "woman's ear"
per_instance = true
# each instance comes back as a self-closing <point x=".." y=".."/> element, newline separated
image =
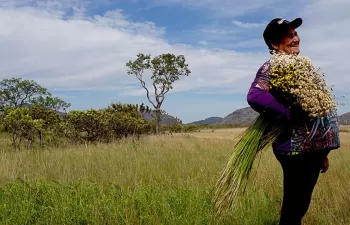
<point x="275" y="46"/>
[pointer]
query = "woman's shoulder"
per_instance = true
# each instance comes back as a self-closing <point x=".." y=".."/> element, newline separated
<point x="264" y="68"/>
<point x="262" y="78"/>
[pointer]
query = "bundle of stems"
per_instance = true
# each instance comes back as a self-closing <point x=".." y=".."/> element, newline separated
<point x="234" y="177"/>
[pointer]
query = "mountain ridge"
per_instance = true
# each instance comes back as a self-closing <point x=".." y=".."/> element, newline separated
<point x="246" y="116"/>
<point x="209" y="120"/>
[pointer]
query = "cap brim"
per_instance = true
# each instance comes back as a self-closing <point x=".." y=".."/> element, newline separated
<point x="296" y="23"/>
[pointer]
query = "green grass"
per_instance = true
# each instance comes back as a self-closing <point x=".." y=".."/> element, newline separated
<point x="164" y="180"/>
<point x="85" y="202"/>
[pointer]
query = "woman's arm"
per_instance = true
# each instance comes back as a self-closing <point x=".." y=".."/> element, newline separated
<point x="262" y="101"/>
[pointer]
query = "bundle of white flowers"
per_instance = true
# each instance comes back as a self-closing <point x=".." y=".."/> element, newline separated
<point x="295" y="76"/>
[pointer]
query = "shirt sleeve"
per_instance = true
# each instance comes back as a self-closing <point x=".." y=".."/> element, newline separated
<point x="262" y="101"/>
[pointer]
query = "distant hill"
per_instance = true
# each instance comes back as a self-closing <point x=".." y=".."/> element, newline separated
<point x="344" y="119"/>
<point x="210" y="120"/>
<point x="241" y="116"/>
<point x="247" y="115"/>
<point x="165" y="119"/>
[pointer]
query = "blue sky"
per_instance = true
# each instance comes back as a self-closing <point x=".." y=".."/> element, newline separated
<point x="78" y="49"/>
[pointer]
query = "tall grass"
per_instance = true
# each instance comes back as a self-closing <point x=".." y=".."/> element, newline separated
<point x="164" y="180"/>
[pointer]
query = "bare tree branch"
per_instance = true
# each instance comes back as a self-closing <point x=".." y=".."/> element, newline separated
<point x="143" y="84"/>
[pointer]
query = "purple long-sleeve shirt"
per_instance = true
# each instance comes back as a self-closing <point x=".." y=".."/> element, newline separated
<point x="296" y="137"/>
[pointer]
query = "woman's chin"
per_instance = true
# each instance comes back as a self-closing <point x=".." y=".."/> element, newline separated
<point x="295" y="50"/>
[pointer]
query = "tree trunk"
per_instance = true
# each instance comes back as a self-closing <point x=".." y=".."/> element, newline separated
<point x="41" y="138"/>
<point x="158" y="121"/>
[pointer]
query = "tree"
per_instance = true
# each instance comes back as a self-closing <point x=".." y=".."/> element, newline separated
<point x="105" y="125"/>
<point x="127" y="120"/>
<point x="53" y="103"/>
<point x="165" y="69"/>
<point x="85" y="126"/>
<point x="15" y="92"/>
<point x="50" y="118"/>
<point x="22" y="126"/>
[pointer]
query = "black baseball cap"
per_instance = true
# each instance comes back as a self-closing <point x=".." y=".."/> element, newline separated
<point x="277" y="28"/>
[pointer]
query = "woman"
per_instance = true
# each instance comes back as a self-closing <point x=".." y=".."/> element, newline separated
<point x="301" y="159"/>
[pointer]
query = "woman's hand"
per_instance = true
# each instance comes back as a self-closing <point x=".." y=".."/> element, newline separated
<point x="325" y="165"/>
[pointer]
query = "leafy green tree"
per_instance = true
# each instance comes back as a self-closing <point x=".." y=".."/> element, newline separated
<point x="21" y="126"/>
<point x="50" y="120"/>
<point x="105" y="125"/>
<point x="53" y="103"/>
<point x="127" y="120"/>
<point x="165" y="69"/>
<point x="15" y="92"/>
<point x="85" y="125"/>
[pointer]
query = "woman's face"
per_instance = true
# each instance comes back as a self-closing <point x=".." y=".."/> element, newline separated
<point x="289" y="43"/>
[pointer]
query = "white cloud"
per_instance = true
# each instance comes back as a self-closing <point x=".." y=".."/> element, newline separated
<point x="247" y="25"/>
<point x="203" y="42"/>
<point x="227" y="8"/>
<point x="326" y="39"/>
<point x="91" y="53"/>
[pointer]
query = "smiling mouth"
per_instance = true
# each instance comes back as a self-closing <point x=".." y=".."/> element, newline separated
<point x="295" y="44"/>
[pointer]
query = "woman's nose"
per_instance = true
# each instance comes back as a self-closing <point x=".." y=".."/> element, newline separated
<point x="296" y="38"/>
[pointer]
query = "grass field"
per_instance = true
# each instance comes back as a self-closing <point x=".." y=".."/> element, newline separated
<point x="163" y="180"/>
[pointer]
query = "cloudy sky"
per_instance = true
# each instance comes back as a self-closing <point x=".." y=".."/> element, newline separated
<point x="78" y="48"/>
